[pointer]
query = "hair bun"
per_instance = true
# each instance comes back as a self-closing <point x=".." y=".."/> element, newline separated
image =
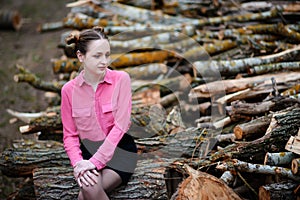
<point x="73" y="37"/>
<point x="99" y="29"/>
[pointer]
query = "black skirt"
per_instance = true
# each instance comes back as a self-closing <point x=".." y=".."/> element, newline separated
<point x="124" y="159"/>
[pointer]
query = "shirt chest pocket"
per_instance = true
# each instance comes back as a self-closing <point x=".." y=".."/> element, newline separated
<point x="108" y="112"/>
<point x="83" y="118"/>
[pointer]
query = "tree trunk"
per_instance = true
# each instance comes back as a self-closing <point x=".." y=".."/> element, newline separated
<point x="147" y="182"/>
<point x="28" y="155"/>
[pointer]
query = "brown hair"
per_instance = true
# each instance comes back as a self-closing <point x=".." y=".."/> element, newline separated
<point x="82" y="39"/>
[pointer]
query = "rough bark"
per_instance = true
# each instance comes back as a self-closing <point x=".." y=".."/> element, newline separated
<point x="146" y="183"/>
<point x="27" y="155"/>
<point x="253" y="129"/>
<point x="280" y="191"/>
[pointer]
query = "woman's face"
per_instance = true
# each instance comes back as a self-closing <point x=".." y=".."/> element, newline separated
<point x="97" y="57"/>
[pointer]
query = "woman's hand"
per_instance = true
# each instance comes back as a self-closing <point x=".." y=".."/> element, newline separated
<point x="88" y="178"/>
<point x="85" y="172"/>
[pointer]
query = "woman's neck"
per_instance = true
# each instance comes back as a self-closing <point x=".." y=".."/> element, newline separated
<point x="93" y="80"/>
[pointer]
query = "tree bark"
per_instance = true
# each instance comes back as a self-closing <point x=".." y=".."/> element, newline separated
<point x="253" y="129"/>
<point x="278" y="159"/>
<point x="147" y="182"/>
<point x="278" y="191"/>
<point x="28" y="155"/>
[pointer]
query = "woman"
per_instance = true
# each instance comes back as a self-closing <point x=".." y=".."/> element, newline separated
<point x="95" y="111"/>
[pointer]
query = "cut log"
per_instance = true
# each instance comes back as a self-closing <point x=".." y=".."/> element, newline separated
<point x="296" y="166"/>
<point x="280" y="191"/>
<point x="10" y="19"/>
<point x="278" y="159"/>
<point x="200" y="185"/>
<point x="27" y="155"/>
<point x="253" y="129"/>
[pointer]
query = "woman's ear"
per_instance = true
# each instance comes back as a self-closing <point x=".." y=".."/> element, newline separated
<point x="80" y="56"/>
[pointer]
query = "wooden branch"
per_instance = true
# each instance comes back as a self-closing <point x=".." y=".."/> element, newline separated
<point x="237" y="165"/>
<point x="26" y="76"/>
<point x="233" y="85"/>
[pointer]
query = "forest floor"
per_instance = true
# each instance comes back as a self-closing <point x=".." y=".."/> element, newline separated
<point x="33" y="50"/>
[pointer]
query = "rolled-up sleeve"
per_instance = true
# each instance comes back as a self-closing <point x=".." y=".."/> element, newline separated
<point x="122" y="102"/>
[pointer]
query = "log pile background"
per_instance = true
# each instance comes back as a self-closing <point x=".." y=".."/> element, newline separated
<point x="215" y="100"/>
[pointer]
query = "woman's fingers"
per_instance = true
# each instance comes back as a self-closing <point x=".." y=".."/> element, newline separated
<point x="79" y="182"/>
<point x="88" y="178"/>
<point x="94" y="171"/>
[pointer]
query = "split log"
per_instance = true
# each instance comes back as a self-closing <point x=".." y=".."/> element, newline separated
<point x="296" y="166"/>
<point x="280" y="191"/>
<point x="278" y="159"/>
<point x="27" y="155"/>
<point x="200" y="185"/>
<point x="10" y="19"/>
<point x="147" y="182"/>
<point x="293" y="144"/>
<point x="252" y="130"/>
<point x="237" y="165"/>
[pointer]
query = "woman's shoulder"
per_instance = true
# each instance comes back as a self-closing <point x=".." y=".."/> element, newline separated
<point x="119" y="74"/>
<point x="68" y="85"/>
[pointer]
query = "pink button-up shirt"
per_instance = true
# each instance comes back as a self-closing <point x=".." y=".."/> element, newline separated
<point x="101" y="115"/>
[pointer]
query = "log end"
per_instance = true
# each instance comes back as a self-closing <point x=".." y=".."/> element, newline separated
<point x="263" y="194"/>
<point x="238" y="132"/>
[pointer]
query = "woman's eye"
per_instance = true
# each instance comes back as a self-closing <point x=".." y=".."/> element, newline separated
<point x="107" y="55"/>
<point x="96" y="56"/>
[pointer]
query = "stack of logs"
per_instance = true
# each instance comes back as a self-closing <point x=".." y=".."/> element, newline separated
<point x="216" y="109"/>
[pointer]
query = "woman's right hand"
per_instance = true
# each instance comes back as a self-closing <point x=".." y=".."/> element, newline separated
<point x="85" y="172"/>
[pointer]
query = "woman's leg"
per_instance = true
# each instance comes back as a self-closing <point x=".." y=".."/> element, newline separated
<point x="94" y="192"/>
<point x="110" y="179"/>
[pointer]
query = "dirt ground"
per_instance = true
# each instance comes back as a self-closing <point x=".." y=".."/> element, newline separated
<point x="33" y="50"/>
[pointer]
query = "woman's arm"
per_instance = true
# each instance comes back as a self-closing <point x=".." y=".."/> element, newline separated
<point x="70" y="135"/>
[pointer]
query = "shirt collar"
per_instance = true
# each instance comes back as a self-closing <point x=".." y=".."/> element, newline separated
<point x="107" y="77"/>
